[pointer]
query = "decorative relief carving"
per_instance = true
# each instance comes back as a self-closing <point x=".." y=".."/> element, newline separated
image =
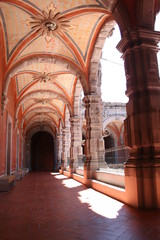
<point x="49" y="23"/>
<point x="42" y="77"/>
<point x="106" y="133"/>
<point x="95" y="111"/>
<point x="152" y="62"/>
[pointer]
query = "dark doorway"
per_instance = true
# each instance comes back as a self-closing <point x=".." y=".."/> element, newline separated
<point x="42" y="152"/>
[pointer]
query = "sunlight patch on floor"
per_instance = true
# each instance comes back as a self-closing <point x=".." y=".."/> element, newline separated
<point x="70" y="183"/>
<point x="55" y="173"/>
<point x="100" y="203"/>
<point x="60" y="177"/>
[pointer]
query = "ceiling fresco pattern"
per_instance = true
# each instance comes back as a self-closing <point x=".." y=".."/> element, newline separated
<point x="65" y="30"/>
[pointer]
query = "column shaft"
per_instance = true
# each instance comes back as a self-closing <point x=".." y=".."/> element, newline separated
<point x="142" y="128"/>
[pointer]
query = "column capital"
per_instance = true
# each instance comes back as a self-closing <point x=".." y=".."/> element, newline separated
<point x="65" y="130"/>
<point x="139" y="38"/>
<point x="75" y="119"/>
<point x="92" y="99"/>
<point x="139" y="48"/>
<point x="59" y="137"/>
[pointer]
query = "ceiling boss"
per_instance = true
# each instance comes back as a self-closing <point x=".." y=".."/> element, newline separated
<point x="42" y="77"/>
<point x="50" y="23"/>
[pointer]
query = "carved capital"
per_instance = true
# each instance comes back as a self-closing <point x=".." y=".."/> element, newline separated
<point x="138" y="38"/>
<point x="139" y="48"/>
<point x="74" y="121"/>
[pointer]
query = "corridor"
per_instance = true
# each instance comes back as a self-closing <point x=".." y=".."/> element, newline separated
<point x="46" y="206"/>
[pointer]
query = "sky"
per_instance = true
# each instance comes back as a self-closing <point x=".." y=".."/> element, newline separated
<point x="157" y="28"/>
<point x="113" y="76"/>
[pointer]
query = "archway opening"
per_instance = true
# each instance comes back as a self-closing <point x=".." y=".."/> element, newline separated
<point x="113" y="75"/>
<point x="42" y="152"/>
<point x="157" y="28"/>
<point x="113" y="90"/>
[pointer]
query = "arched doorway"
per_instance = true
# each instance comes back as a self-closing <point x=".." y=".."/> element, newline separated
<point x="42" y="152"/>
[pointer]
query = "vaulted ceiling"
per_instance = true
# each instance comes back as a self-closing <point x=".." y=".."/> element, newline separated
<point x="62" y="34"/>
<point x="48" y="45"/>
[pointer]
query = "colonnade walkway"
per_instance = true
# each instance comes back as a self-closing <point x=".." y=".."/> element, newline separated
<point x="46" y="206"/>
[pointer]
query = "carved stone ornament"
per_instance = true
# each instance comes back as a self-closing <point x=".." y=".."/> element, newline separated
<point x="49" y="23"/>
<point x="42" y="77"/>
<point x="106" y="133"/>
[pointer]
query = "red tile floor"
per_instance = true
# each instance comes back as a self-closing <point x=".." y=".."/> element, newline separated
<point x="45" y="206"/>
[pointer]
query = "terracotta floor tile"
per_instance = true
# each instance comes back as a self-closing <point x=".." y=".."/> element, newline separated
<point x="43" y="206"/>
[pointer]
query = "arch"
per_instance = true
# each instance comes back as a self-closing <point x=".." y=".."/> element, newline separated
<point x="60" y="88"/>
<point x="33" y="95"/>
<point x="36" y="119"/>
<point x="37" y="127"/>
<point x="139" y="16"/>
<point x="53" y="109"/>
<point x="44" y="110"/>
<point x="109" y="119"/>
<point x="44" y="121"/>
<point x="44" y="58"/>
<point x="105" y="32"/>
<point x="121" y="17"/>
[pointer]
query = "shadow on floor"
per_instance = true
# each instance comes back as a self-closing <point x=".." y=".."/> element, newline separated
<point x="46" y="206"/>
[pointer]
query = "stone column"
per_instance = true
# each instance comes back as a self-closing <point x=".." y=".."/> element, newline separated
<point x="27" y="154"/>
<point x="142" y="125"/>
<point x="94" y="140"/>
<point x="76" y="140"/>
<point x="65" y="147"/>
<point x="59" y="149"/>
<point x="55" y="163"/>
<point x="22" y="153"/>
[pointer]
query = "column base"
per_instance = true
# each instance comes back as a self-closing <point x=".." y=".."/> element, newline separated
<point x="71" y="170"/>
<point x="142" y="184"/>
<point x="87" y="174"/>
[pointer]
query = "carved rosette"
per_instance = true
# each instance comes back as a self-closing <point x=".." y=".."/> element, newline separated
<point x="42" y="77"/>
<point x="49" y="23"/>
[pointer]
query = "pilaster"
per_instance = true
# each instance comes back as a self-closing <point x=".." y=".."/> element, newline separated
<point x="65" y="146"/>
<point x="76" y="140"/>
<point x="59" y="149"/>
<point x="94" y="140"/>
